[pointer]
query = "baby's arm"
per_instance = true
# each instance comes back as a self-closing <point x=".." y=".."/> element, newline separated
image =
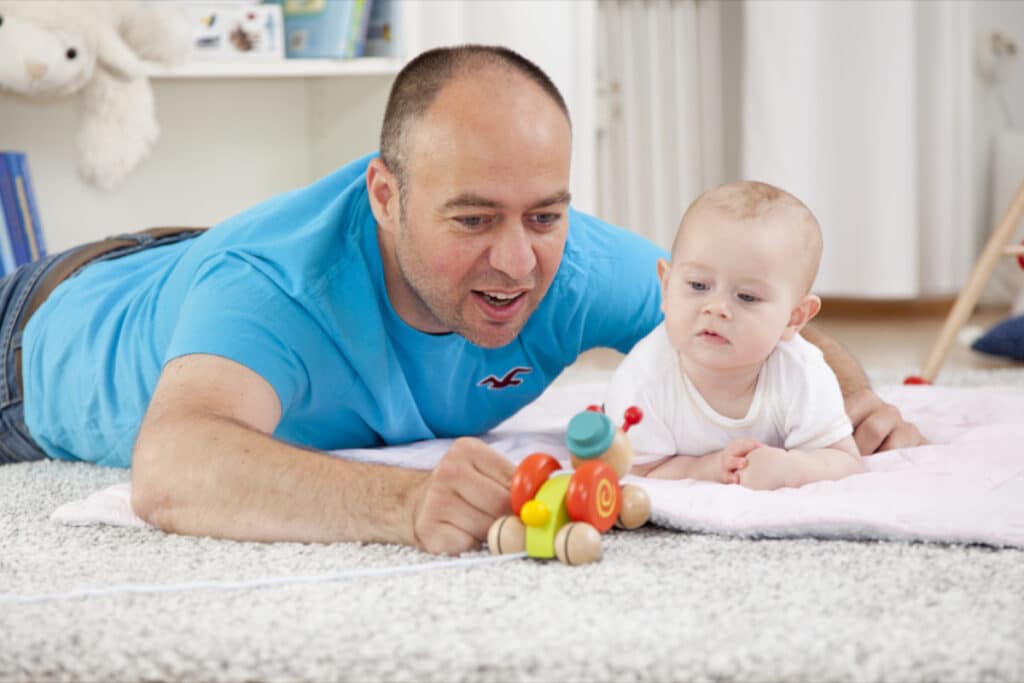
<point x="773" y="468"/>
<point x="722" y="466"/>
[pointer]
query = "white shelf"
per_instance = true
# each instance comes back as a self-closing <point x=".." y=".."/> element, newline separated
<point x="280" y="68"/>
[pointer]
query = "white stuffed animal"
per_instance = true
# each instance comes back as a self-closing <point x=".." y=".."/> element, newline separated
<point x="53" y="48"/>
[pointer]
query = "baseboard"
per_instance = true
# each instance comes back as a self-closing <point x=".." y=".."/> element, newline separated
<point x="889" y="308"/>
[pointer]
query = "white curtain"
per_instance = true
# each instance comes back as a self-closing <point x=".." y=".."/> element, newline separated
<point x="861" y="109"/>
<point x="659" y="135"/>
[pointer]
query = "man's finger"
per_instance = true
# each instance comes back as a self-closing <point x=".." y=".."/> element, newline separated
<point x="444" y="538"/>
<point x="484" y="494"/>
<point x="904" y="436"/>
<point x="486" y="460"/>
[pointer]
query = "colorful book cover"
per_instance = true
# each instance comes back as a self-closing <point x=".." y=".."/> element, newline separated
<point x="12" y="212"/>
<point x="6" y="255"/>
<point x="317" y="28"/>
<point x="381" y="30"/>
<point x="357" y="28"/>
<point x="30" y="207"/>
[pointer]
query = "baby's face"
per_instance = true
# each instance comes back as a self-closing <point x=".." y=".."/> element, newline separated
<point x="730" y="291"/>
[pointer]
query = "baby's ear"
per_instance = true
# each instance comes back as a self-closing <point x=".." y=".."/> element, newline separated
<point x="806" y="309"/>
<point x="664" y="268"/>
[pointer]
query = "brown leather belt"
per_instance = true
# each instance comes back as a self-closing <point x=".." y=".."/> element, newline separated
<point x="71" y="264"/>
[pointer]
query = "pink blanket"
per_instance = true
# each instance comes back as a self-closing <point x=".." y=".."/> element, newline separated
<point x="968" y="487"/>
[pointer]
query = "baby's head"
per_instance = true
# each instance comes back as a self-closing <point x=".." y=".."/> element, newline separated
<point x="743" y="263"/>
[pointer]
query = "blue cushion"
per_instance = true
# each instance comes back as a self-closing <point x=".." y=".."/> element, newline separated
<point x="1004" y="339"/>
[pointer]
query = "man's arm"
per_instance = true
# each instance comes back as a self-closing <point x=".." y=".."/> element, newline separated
<point x="877" y="425"/>
<point x="204" y="464"/>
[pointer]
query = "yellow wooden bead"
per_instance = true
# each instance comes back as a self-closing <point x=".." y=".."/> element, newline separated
<point x="534" y="513"/>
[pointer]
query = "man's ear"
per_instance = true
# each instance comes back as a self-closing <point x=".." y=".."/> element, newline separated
<point x="382" y="186"/>
<point x="801" y="315"/>
<point x="664" y="268"/>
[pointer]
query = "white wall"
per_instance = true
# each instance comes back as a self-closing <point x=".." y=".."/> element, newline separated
<point x="989" y="121"/>
<point x="226" y="144"/>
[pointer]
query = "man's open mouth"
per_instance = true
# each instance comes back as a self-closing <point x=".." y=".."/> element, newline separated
<point x="498" y="299"/>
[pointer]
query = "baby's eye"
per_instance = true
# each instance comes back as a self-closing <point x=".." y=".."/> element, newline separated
<point x="748" y="298"/>
<point x="698" y="286"/>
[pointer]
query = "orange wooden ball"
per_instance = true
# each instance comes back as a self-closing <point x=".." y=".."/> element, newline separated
<point x="531" y="473"/>
<point x="594" y="495"/>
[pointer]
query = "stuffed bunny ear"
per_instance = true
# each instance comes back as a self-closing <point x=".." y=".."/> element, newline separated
<point x="114" y="55"/>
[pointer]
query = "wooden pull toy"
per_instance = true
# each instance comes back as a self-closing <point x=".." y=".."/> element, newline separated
<point x="561" y="514"/>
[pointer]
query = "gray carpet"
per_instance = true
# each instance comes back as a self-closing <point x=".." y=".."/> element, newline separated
<point x="661" y="606"/>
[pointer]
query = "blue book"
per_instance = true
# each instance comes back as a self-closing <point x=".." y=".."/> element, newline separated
<point x="317" y="28"/>
<point x="6" y="255"/>
<point x="361" y="11"/>
<point x="381" y="31"/>
<point x="12" y="213"/>
<point x="26" y="192"/>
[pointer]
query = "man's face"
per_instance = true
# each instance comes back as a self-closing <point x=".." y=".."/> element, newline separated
<point x="484" y="220"/>
<point x="730" y="292"/>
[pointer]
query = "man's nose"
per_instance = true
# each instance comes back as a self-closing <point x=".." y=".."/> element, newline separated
<point x="512" y="252"/>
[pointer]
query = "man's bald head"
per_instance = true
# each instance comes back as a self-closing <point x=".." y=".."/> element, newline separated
<point x="418" y="84"/>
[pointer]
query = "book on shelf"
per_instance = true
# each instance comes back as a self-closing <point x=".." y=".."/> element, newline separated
<point x="382" y="29"/>
<point x="22" y="238"/>
<point x="326" y="29"/>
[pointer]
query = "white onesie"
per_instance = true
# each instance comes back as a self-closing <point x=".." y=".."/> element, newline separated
<point x="797" y="402"/>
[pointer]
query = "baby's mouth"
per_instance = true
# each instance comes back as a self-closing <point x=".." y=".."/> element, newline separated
<point x="712" y="336"/>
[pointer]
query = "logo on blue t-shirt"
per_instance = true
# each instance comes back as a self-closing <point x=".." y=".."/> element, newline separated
<point x="508" y="380"/>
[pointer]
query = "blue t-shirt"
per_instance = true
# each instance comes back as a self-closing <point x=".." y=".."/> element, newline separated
<point x="294" y="290"/>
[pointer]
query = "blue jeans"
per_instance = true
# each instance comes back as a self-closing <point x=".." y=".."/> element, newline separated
<point x="16" y="289"/>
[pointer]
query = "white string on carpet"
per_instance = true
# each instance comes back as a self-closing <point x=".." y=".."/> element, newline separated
<point x="14" y="598"/>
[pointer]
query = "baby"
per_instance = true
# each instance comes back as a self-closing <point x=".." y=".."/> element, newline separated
<point x="729" y="389"/>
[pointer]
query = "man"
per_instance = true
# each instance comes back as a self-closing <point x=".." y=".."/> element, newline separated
<point x="429" y="292"/>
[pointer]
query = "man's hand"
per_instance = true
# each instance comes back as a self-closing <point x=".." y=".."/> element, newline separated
<point x="879" y="426"/>
<point x="456" y="503"/>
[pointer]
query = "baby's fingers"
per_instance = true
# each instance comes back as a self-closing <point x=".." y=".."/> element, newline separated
<point x="741" y="447"/>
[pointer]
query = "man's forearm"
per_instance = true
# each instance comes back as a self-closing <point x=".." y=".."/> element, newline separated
<point x="215" y="477"/>
<point x="848" y="371"/>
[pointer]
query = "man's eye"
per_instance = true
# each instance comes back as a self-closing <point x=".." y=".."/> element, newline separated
<point x="748" y="298"/>
<point x="698" y="286"/>
<point x="546" y="218"/>
<point x="472" y="221"/>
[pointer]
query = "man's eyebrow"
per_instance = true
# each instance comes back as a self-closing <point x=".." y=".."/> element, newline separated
<point x="470" y="200"/>
<point x="562" y="197"/>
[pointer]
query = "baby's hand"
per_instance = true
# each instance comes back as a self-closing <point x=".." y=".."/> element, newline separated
<point x="732" y="459"/>
<point x="766" y="469"/>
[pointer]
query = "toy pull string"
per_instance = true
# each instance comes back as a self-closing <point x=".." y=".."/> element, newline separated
<point x="13" y="598"/>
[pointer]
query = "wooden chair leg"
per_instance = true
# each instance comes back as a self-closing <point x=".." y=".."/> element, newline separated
<point x="969" y="295"/>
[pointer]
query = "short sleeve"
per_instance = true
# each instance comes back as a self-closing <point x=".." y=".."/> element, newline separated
<point x="234" y="311"/>
<point x="815" y="414"/>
